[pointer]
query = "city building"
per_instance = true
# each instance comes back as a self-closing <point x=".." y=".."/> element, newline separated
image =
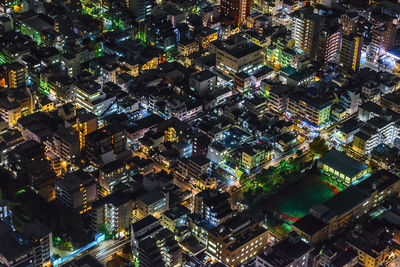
<point x="175" y="218"/>
<point x="383" y="39"/>
<point x="203" y="82"/>
<point x="329" y="44"/>
<point x="65" y="144"/>
<point x="14" y="104"/>
<point x="100" y="143"/>
<point x="143" y="229"/>
<point x="139" y="8"/>
<point x="235" y="12"/>
<point x="113" y="174"/>
<point x="149" y="254"/>
<point x="314" y="111"/>
<point x="14" y="249"/>
<point x="152" y="203"/>
<point x="115" y="211"/>
<point x="257" y="106"/>
<point x="378" y="130"/>
<point x="90" y="96"/>
<point x="236" y="54"/>
<point x="212" y="206"/>
<point x="341" y="167"/>
<point x="42" y="240"/>
<point x="307" y="27"/>
<point x="13" y="75"/>
<point x="291" y="251"/>
<point x="349" y="22"/>
<point x="76" y="191"/>
<point x="237" y="241"/>
<point x="350" y="53"/>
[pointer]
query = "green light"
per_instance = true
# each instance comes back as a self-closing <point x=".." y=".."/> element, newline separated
<point x="21" y="191"/>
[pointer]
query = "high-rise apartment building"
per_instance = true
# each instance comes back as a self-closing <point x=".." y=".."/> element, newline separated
<point x="329" y="44"/>
<point x="349" y="22"/>
<point x="76" y="191"/>
<point x="350" y="53"/>
<point x="235" y="12"/>
<point x="307" y="26"/>
<point x="13" y="75"/>
<point x="139" y="8"/>
<point x="383" y="39"/>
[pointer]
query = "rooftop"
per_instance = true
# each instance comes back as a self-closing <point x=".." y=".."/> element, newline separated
<point x="286" y="251"/>
<point x="342" y="163"/>
<point x="341" y="202"/>
<point x="379" y="181"/>
<point x="151" y="197"/>
<point x="310" y="224"/>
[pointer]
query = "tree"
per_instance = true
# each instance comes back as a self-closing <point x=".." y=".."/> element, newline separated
<point x="243" y="178"/>
<point x="318" y="146"/>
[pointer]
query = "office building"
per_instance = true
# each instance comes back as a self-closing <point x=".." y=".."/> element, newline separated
<point x="350" y="53"/>
<point x="235" y="12"/>
<point x="237" y="240"/>
<point x="76" y="191"/>
<point x="307" y="26"/>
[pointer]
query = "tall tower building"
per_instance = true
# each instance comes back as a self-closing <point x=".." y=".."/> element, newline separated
<point x="235" y="12"/>
<point x="383" y="39"/>
<point x="306" y="30"/>
<point x="350" y="53"/>
<point x="139" y="8"/>
<point x="13" y="75"/>
<point x="349" y="22"/>
<point x="329" y="44"/>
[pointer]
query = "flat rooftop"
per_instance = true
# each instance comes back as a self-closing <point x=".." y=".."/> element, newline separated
<point x="342" y="163"/>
